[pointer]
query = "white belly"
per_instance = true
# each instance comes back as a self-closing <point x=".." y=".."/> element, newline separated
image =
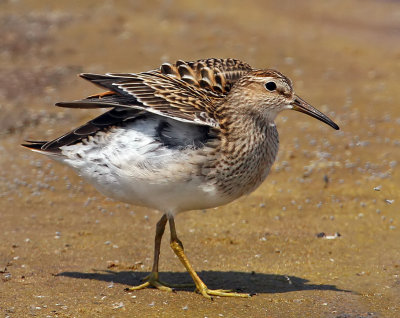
<point x="129" y="166"/>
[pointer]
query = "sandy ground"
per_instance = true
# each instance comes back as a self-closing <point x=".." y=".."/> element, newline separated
<point x="66" y="251"/>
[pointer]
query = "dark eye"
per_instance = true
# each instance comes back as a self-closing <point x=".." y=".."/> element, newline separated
<point x="271" y="86"/>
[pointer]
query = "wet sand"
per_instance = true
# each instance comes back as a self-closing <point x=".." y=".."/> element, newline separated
<point x="67" y="251"/>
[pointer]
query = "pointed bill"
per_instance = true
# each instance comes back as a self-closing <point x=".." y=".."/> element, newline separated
<point x="303" y="107"/>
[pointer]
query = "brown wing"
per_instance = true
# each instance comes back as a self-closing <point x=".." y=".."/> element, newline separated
<point x="168" y="96"/>
<point x="185" y="91"/>
<point x="153" y="92"/>
<point x="214" y="76"/>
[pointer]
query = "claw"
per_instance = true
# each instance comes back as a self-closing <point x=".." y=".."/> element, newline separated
<point x="152" y="280"/>
<point x="207" y="293"/>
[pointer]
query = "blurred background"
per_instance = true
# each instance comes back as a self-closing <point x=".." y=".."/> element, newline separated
<point x="343" y="58"/>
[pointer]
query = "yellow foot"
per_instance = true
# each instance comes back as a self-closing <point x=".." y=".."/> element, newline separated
<point x="208" y="293"/>
<point x="152" y="281"/>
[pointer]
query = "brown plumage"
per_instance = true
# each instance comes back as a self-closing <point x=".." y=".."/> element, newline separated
<point x="189" y="135"/>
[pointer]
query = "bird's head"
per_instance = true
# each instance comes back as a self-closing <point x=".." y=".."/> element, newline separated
<point x="268" y="92"/>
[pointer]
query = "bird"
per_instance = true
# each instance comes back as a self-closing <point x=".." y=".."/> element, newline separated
<point x="188" y="135"/>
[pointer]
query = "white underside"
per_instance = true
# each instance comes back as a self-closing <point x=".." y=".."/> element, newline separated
<point x="128" y="165"/>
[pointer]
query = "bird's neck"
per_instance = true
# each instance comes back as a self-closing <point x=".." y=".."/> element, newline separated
<point x="245" y="126"/>
<point x="248" y="149"/>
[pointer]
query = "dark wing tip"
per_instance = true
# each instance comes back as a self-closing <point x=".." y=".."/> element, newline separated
<point x="64" y="104"/>
<point x="90" y="76"/>
<point x="84" y="104"/>
<point x="31" y="144"/>
<point x="41" y="146"/>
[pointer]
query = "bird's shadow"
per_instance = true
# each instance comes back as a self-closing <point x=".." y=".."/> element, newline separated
<point x="252" y="283"/>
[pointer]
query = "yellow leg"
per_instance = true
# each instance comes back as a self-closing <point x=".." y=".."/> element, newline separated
<point x="152" y="280"/>
<point x="202" y="288"/>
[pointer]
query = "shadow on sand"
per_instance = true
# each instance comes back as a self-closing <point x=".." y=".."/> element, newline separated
<point x="253" y="283"/>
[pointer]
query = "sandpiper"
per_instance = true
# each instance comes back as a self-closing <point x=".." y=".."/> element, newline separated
<point x="186" y="136"/>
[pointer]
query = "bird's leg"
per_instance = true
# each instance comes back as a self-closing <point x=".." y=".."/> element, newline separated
<point x="153" y="278"/>
<point x="202" y="288"/>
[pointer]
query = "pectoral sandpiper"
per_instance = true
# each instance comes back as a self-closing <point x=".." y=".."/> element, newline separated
<point x="186" y="136"/>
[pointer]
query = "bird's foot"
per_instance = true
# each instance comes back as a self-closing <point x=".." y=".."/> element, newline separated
<point x="208" y="293"/>
<point x="201" y="288"/>
<point x="152" y="280"/>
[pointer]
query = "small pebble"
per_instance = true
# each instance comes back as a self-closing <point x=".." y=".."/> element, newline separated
<point x="328" y="237"/>
<point x="118" y="305"/>
<point x="334" y="236"/>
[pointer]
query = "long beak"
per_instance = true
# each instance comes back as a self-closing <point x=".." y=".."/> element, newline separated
<point x="304" y="107"/>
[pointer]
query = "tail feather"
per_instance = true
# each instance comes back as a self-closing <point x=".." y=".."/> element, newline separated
<point x="39" y="146"/>
<point x="83" y="104"/>
<point x="105" y="80"/>
<point x="31" y="144"/>
<point x="101" y="102"/>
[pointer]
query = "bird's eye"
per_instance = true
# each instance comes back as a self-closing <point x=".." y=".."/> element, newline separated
<point x="271" y="86"/>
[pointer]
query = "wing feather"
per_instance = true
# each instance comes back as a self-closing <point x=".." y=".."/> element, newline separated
<point x="184" y="91"/>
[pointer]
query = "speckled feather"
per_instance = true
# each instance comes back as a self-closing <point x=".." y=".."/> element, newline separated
<point x="189" y="135"/>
